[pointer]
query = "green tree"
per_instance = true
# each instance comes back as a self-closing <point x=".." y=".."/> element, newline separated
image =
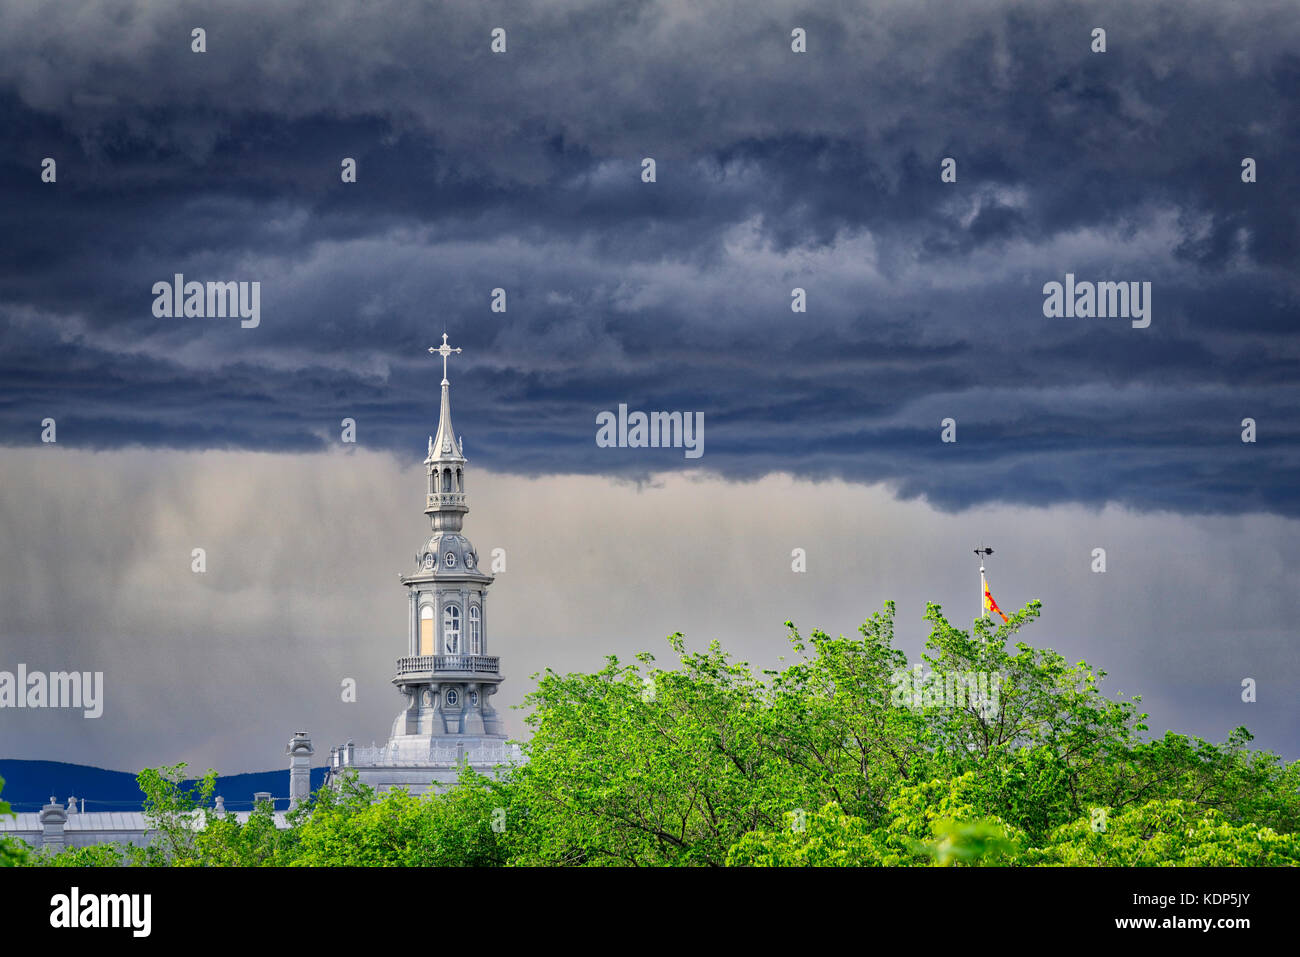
<point x="929" y="823"/>
<point x="836" y="726"/>
<point x="817" y="763"/>
<point x="113" y="854"/>
<point x="1168" y="834"/>
<point x="12" y="853"/>
<point x="174" y="813"/>
<point x="357" y="828"/>
<point x="666" y="767"/>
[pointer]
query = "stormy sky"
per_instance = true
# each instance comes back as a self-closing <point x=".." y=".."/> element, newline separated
<point x="522" y="171"/>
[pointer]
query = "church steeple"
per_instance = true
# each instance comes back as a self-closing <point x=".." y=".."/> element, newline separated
<point x="447" y="675"/>
<point x="445" y="465"/>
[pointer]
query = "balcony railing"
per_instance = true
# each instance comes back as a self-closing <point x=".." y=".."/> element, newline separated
<point x="444" y="498"/>
<point x="449" y="755"/>
<point x="475" y="664"/>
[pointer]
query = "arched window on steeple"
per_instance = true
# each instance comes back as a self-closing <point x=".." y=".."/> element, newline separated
<point x="426" y="630"/>
<point x="460" y="481"/>
<point x="451" y="630"/>
<point x="475" y="630"/>
<point x="446" y="480"/>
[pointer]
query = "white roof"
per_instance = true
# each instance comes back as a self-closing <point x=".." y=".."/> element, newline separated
<point x="104" y="821"/>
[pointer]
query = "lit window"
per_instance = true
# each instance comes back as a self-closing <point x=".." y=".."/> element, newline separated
<point x="475" y="630"/>
<point x="426" y="630"/>
<point x="451" y="630"/>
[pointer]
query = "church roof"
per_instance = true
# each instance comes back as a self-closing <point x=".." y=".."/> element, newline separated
<point x="121" y="821"/>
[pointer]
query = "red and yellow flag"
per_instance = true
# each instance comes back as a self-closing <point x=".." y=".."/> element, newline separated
<point x="989" y="603"/>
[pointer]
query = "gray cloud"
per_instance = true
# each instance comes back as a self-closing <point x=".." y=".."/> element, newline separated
<point x="301" y="590"/>
<point x="776" y="170"/>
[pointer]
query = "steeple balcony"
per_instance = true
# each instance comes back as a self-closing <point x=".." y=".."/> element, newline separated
<point x="439" y="499"/>
<point x="447" y="666"/>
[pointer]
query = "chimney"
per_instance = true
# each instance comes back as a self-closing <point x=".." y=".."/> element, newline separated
<point x="300" y="752"/>
<point x="53" y="817"/>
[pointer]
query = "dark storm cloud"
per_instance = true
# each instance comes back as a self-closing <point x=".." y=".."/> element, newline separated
<point x="775" y="171"/>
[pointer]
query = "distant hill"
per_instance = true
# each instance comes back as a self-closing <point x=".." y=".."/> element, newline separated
<point x="29" y="784"/>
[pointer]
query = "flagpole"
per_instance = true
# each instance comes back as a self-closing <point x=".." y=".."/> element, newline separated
<point x="984" y="588"/>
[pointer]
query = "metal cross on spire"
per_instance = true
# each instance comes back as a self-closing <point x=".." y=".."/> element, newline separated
<point x="443" y="350"/>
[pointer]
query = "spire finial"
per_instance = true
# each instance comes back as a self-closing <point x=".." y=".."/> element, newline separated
<point x="443" y="350"/>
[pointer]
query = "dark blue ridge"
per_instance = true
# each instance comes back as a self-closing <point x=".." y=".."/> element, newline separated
<point x="29" y="784"/>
